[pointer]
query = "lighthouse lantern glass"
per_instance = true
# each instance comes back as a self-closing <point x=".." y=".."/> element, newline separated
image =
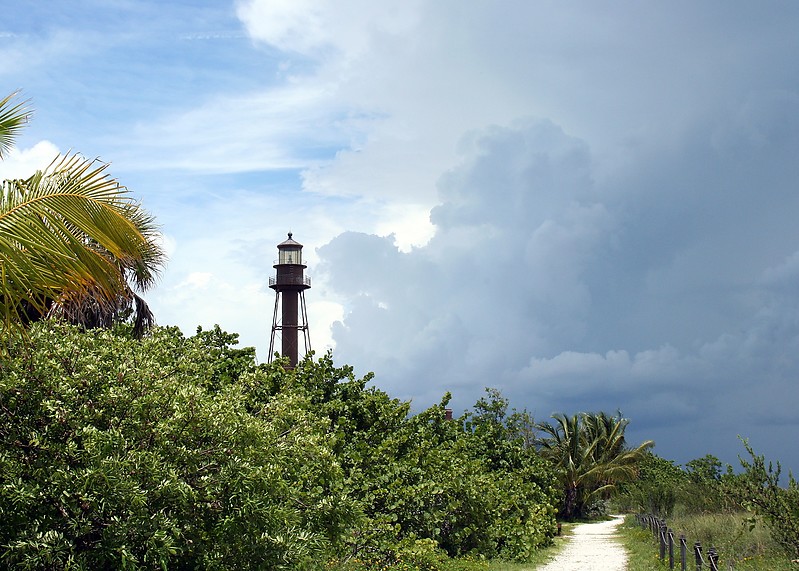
<point x="290" y="256"/>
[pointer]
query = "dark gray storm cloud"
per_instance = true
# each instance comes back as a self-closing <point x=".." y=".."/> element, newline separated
<point x="669" y="290"/>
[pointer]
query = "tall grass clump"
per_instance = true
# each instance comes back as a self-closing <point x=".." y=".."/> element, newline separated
<point x="740" y="539"/>
<point x="743" y="543"/>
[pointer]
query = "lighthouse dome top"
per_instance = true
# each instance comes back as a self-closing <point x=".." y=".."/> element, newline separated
<point x="290" y="243"/>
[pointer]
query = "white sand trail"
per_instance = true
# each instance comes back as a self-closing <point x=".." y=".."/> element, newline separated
<point x="592" y="547"/>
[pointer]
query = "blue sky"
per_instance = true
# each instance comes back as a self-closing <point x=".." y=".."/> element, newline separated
<point x="589" y="205"/>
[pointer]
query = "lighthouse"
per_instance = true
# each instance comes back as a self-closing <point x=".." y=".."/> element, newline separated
<point x="290" y="316"/>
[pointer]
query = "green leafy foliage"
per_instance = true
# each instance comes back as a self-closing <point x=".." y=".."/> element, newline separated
<point x="115" y="455"/>
<point x="758" y="489"/>
<point x="73" y="242"/>
<point x="704" y="486"/>
<point x="656" y="489"/>
<point x="708" y="487"/>
<point x="592" y="457"/>
<point x="426" y="478"/>
<point x="224" y="364"/>
<point x="749" y="516"/>
<point x="183" y="453"/>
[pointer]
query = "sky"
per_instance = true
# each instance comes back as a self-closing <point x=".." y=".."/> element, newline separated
<point x="587" y="205"/>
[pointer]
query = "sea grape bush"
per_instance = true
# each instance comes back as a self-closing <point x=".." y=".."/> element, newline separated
<point x="115" y="455"/>
<point x="422" y="477"/>
<point x="176" y="452"/>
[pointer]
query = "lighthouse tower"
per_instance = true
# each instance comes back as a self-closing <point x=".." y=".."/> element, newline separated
<point x="289" y="284"/>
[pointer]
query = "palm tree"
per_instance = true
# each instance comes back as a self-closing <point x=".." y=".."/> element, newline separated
<point x="591" y="455"/>
<point x="72" y="241"/>
<point x="619" y="462"/>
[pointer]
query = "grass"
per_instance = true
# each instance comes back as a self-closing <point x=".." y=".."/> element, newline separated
<point x="642" y="551"/>
<point x="744" y="548"/>
<point x="541" y="556"/>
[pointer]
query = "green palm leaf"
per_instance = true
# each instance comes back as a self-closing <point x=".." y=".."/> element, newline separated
<point x="591" y="454"/>
<point x="13" y="117"/>
<point x="68" y="233"/>
<point x="71" y="240"/>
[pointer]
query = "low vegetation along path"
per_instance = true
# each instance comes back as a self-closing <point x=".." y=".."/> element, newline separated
<point x="592" y="546"/>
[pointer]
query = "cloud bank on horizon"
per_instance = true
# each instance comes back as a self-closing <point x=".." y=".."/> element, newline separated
<point x="585" y="206"/>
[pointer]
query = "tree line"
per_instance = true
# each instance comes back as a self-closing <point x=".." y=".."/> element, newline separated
<point x="183" y="452"/>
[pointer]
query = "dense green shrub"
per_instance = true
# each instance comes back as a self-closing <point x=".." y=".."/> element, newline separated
<point x="708" y="487"/>
<point x="115" y="454"/>
<point x="663" y="489"/>
<point x="656" y="489"/>
<point x="424" y="477"/>
<point x="184" y="453"/>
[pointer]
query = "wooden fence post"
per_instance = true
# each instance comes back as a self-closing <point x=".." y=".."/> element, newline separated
<point x="698" y="555"/>
<point x="671" y="548"/>
<point x="683" y="552"/>
<point x="713" y="556"/>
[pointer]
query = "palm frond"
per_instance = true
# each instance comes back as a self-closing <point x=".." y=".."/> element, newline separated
<point x="13" y="117"/>
<point x="69" y="233"/>
<point x="590" y="452"/>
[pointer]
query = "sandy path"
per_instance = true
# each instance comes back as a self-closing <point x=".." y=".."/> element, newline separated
<point x="592" y="547"/>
